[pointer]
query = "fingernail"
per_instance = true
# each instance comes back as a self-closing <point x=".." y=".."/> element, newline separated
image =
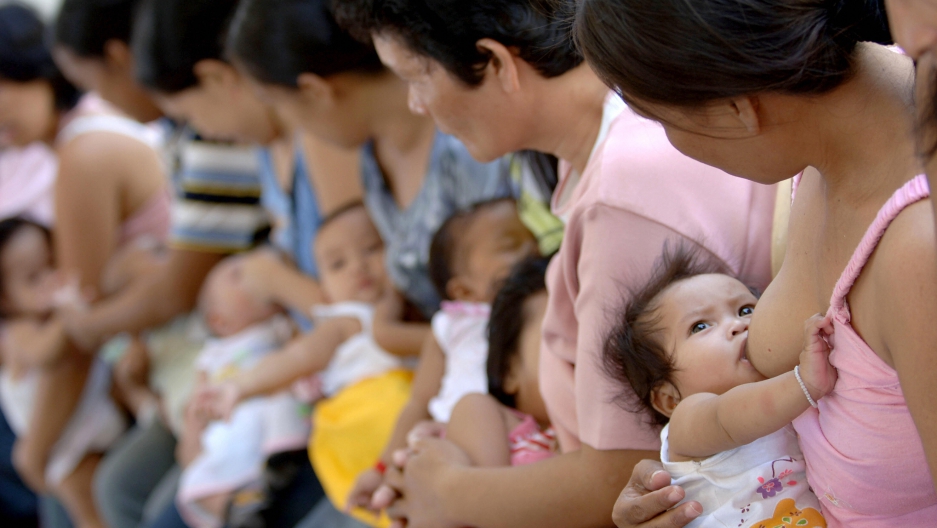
<point x="654" y="474"/>
<point x="674" y="495"/>
<point x="694" y="511"/>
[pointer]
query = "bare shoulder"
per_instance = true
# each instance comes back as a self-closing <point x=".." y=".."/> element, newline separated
<point x="477" y="405"/>
<point x="105" y="151"/>
<point x="906" y="257"/>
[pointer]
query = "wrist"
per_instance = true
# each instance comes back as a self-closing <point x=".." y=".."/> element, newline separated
<point x="810" y="392"/>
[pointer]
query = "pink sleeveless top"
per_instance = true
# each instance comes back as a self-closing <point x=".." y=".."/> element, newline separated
<point x="864" y="456"/>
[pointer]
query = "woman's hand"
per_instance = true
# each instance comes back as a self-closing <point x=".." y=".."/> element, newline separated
<point x="363" y="491"/>
<point x="419" y="479"/>
<point x="257" y="272"/>
<point x="216" y="402"/>
<point x="647" y="500"/>
<point x="815" y="369"/>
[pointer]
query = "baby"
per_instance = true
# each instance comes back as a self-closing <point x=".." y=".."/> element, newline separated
<point x="365" y="386"/>
<point x="470" y="255"/>
<point x="511" y="426"/>
<point x="28" y="334"/>
<point x="230" y="455"/>
<point x="680" y="347"/>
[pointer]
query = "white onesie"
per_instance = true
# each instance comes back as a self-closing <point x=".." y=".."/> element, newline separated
<point x="234" y="452"/>
<point x="762" y="484"/>
<point x="461" y="329"/>
<point x="359" y="357"/>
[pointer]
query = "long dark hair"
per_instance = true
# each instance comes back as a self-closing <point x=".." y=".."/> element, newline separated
<point x="25" y="54"/>
<point x="690" y="52"/>
<point x="277" y="40"/>
<point x="85" y="26"/>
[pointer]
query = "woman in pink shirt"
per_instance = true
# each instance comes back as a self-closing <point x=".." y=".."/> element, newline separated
<point x="624" y="191"/>
<point x="784" y="86"/>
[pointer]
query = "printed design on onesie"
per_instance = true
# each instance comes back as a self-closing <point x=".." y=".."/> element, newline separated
<point x="772" y="487"/>
<point x="788" y="515"/>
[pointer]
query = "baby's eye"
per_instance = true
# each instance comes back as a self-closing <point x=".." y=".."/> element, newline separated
<point x="698" y="327"/>
<point x="746" y="310"/>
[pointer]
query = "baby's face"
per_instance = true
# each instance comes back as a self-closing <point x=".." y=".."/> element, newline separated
<point x="706" y="327"/>
<point x="227" y="305"/>
<point x="494" y="242"/>
<point x="28" y="275"/>
<point x="350" y="255"/>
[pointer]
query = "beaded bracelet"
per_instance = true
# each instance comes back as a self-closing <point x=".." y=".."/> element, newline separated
<point x="803" y="387"/>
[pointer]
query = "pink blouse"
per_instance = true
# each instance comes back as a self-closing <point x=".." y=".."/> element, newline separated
<point x="636" y="193"/>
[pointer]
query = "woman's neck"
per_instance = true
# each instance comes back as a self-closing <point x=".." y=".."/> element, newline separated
<point x="403" y="141"/>
<point x="568" y="115"/>
<point x="869" y="123"/>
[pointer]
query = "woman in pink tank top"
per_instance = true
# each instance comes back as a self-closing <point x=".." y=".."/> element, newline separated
<point x="770" y="88"/>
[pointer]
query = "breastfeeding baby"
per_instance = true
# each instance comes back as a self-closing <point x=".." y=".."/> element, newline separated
<point x="679" y="348"/>
<point x="470" y="256"/>
<point x="29" y="336"/>
<point x="225" y="459"/>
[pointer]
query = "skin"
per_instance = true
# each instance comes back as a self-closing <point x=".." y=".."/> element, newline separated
<point x="513" y="109"/>
<point x="854" y="161"/>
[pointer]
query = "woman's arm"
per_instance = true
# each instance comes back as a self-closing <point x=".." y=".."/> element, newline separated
<point x="705" y="424"/>
<point x="576" y="489"/>
<point x="906" y="306"/>
<point x="478" y="426"/>
<point x="267" y="276"/>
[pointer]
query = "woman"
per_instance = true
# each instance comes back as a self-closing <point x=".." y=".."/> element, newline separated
<point x="504" y="76"/>
<point x="771" y="87"/>
<point x="110" y="189"/>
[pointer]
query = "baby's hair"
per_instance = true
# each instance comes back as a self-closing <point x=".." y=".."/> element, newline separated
<point x="634" y="354"/>
<point x="445" y="245"/>
<point x="341" y="211"/>
<point x="507" y="322"/>
<point x="9" y="227"/>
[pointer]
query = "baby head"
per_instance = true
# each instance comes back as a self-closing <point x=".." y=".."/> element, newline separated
<point x="350" y="255"/>
<point x="26" y="268"/>
<point x="514" y="339"/>
<point x="685" y="332"/>
<point x="474" y="250"/>
<point x="227" y="305"/>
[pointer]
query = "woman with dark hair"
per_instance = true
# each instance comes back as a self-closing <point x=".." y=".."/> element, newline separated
<point x="319" y="78"/>
<point x="504" y="75"/>
<point x="92" y="47"/>
<point x="771" y="87"/>
<point x="109" y="190"/>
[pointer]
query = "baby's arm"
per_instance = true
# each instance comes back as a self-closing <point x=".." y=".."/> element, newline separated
<point x="392" y="333"/>
<point x="426" y="384"/>
<point x="303" y="356"/>
<point x="479" y="425"/>
<point x="705" y="424"/>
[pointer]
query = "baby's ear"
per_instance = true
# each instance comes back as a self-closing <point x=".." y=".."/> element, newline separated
<point x="458" y="289"/>
<point x="665" y="398"/>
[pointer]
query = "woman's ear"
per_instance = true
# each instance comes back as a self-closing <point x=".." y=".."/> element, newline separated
<point x="117" y="55"/>
<point x="314" y="88"/>
<point x="665" y="398"/>
<point x="745" y="110"/>
<point x="501" y="65"/>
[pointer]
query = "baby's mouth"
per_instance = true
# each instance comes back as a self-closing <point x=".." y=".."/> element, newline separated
<point x="743" y="353"/>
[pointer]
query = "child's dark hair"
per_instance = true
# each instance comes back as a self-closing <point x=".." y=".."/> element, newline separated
<point x="507" y="322"/>
<point x="633" y="354"/>
<point x="9" y="227"/>
<point x="442" y="249"/>
<point x="341" y="211"/>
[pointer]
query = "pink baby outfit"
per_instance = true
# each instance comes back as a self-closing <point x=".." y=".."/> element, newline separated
<point x="27" y="179"/>
<point x="529" y="443"/>
<point x="636" y="192"/>
<point x="864" y="456"/>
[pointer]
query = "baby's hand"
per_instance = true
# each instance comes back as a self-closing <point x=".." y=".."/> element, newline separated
<point x="360" y="496"/>
<point x="218" y="401"/>
<point x="426" y="429"/>
<point x="815" y="369"/>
